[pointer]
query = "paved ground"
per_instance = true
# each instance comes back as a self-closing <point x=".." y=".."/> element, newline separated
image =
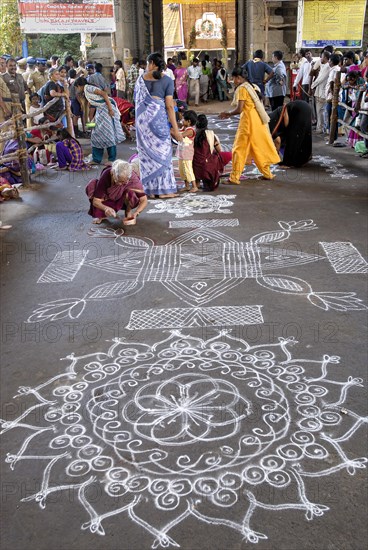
<point x="221" y="415"/>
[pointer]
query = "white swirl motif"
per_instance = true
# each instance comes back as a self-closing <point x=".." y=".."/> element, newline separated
<point x="188" y="425"/>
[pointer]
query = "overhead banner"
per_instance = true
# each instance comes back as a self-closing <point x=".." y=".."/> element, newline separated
<point x="173" y="27"/>
<point x="64" y="17"/>
<point x="336" y="22"/>
<point x="186" y="2"/>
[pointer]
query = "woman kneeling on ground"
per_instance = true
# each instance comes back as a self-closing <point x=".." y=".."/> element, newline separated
<point x="118" y="188"/>
<point x="208" y="159"/>
<point x="69" y="152"/>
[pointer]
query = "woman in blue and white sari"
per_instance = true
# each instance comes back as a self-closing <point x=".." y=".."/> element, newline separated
<point x="154" y="109"/>
<point x="108" y="131"/>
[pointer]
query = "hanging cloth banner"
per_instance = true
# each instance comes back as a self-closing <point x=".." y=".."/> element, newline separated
<point x="173" y="27"/>
<point x="64" y="17"/>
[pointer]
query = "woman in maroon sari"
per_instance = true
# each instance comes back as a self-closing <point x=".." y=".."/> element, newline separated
<point x="118" y="188"/>
<point x="181" y="82"/>
<point x="208" y="160"/>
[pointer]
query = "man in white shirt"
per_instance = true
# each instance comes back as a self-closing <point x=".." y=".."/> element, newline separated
<point x="319" y="90"/>
<point x="142" y="66"/>
<point x="194" y="74"/>
<point x="168" y="72"/>
<point x="303" y="76"/>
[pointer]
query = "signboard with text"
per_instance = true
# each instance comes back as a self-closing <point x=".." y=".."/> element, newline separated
<point x="336" y="22"/>
<point x="64" y="17"/>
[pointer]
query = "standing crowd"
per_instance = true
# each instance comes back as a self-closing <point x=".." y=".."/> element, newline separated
<point x="313" y="81"/>
<point x="151" y="102"/>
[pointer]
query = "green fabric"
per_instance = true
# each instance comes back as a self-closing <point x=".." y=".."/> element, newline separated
<point x="360" y="147"/>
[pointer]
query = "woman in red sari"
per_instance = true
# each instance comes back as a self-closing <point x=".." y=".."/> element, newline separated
<point x="181" y="82"/>
<point x="118" y="188"/>
<point x="208" y="160"/>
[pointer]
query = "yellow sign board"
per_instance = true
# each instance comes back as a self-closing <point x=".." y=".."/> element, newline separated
<point x="336" y="22"/>
<point x="165" y="2"/>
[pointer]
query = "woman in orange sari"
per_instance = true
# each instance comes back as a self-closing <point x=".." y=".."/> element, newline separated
<point x="253" y="138"/>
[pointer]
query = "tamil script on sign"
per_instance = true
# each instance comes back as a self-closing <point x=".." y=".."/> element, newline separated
<point x="65" y="16"/>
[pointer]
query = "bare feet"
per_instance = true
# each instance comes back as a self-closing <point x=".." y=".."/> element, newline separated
<point x="185" y="189"/>
<point x="97" y="221"/>
<point x="194" y="190"/>
<point x="169" y="196"/>
<point x="230" y="182"/>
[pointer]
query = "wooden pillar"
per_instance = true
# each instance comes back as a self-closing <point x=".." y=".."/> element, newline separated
<point x="113" y="46"/>
<point x="69" y="116"/>
<point x="335" y="104"/>
<point x="21" y="138"/>
<point x="267" y="21"/>
<point x="242" y="31"/>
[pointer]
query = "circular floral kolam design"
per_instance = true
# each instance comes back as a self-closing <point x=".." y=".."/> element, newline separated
<point x="190" y="426"/>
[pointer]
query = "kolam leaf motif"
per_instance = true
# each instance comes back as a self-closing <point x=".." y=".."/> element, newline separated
<point x="114" y="290"/>
<point x="339" y="301"/>
<point x="132" y="244"/>
<point x="58" y="309"/>
<point x="288" y="285"/>
<point x="301" y="225"/>
<point x="287" y="228"/>
<point x="269" y="237"/>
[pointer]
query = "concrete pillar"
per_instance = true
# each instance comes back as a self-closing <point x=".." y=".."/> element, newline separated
<point x="139" y="27"/>
<point x="157" y="26"/>
<point x="250" y="14"/>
